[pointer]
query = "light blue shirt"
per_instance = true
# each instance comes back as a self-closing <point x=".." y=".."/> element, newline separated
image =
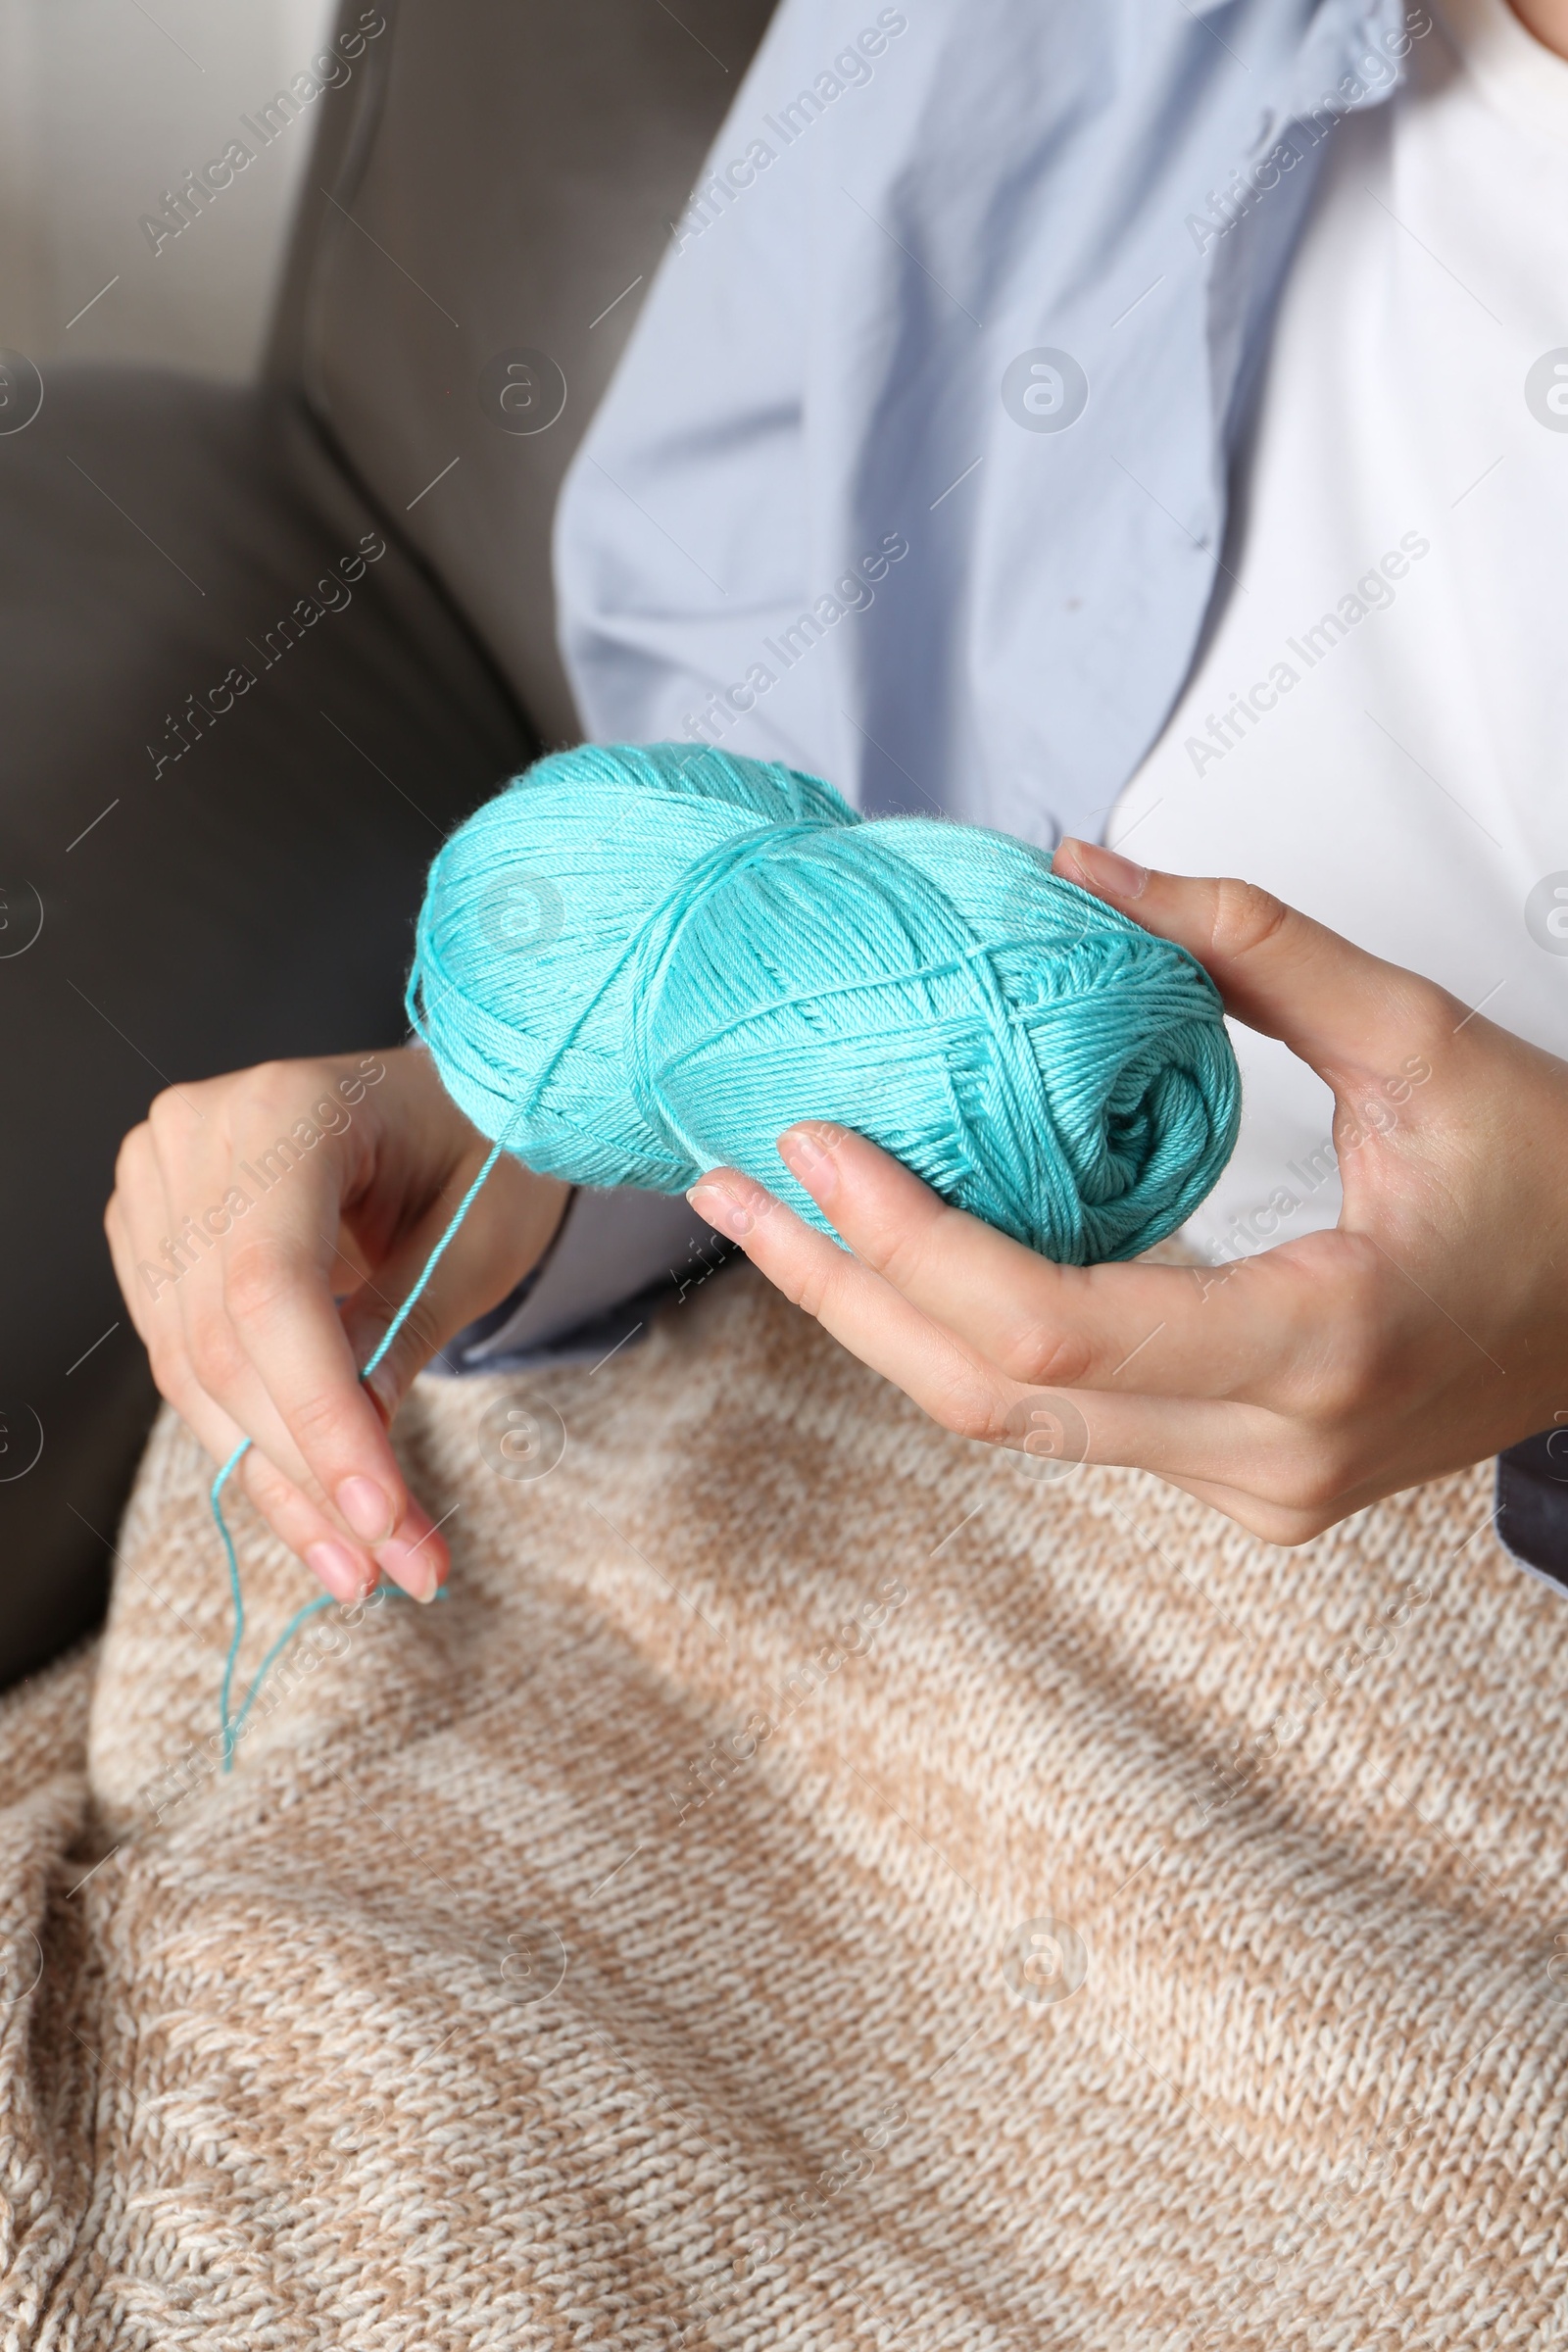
<point x="915" y="470"/>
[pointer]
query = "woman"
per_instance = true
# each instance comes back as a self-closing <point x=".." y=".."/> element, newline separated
<point x="970" y="452"/>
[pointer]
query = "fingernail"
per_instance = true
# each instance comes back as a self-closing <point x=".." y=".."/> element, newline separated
<point x="1106" y="870"/>
<point x="803" y="1152"/>
<point x="411" y="1565"/>
<point x="366" y="1508"/>
<point x="722" y="1210"/>
<point x="381" y="1388"/>
<point x="345" y="1576"/>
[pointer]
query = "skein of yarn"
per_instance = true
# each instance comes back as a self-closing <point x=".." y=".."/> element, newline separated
<point x="638" y="963"/>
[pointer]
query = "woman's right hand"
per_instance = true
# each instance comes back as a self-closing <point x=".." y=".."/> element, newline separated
<point x="266" y="1226"/>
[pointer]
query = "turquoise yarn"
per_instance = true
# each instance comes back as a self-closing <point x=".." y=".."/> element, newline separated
<point x="640" y="964"/>
<point x="231" y="1727"/>
<point x="636" y="964"/>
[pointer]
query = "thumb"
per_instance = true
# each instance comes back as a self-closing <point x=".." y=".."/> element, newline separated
<point x="1342" y="1012"/>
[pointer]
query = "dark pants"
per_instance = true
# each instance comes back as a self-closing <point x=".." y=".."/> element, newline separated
<point x="233" y="736"/>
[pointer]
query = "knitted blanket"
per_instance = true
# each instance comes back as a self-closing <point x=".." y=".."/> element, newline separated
<point x="815" y="1882"/>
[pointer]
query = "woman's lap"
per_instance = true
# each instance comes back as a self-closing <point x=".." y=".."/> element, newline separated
<point x="689" y="1957"/>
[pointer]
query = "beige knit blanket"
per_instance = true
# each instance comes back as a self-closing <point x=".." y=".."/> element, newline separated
<point x="815" y="1882"/>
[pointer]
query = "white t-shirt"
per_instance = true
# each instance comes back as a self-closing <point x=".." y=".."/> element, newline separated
<point x="1389" y="674"/>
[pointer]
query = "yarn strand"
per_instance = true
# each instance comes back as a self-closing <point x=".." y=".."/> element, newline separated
<point x="230" y="1726"/>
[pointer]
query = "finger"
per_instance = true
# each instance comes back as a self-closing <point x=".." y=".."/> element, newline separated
<point x="265" y="1342"/>
<point x="1264" y="1332"/>
<point x="149" y="1262"/>
<point x="138" y="1282"/>
<point x="1347" y="1013"/>
<point x="345" y="1569"/>
<point x="1277" y="1523"/>
<point x="299" y="1394"/>
<point x="150" y="1283"/>
<point x="1291" y="1522"/>
<point x="389" y="1523"/>
<point x="508" y="1228"/>
<point x="1233" y="1445"/>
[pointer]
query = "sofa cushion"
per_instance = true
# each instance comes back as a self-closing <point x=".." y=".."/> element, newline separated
<point x="498" y="179"/>
<point x="234" y="739"/>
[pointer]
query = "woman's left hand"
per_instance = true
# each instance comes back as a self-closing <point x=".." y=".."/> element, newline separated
<point x="1428" y="1330"/>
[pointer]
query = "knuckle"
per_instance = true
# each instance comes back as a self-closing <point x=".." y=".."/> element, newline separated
<point x="288" y="1512"/>
<point x="1305" y="1527"/>
<point x="422" y="1334"/>
<point x="809" y="1287"/>
<point x="1246" y="917"/>
<point x="261" y="1275"/>
<point x="133" y="1161"/>
<point x="317" y="1421"/>
<point x="1315" y="1493"/>
<point x="1309" y="1476"/>
<point x="171" y="1371"/>
<point x="274" y="1090"/>
<point x="895" y="1257"/>
<point x="1041" y="1358"/>
<point x="900" y="1249"/>
<point x="266" y="1485"/>
<point x="290" y="1081"/>
<point x="1286" y="1525"/>
<point x="973" y="1413"/>
<point x="214" y="1351"/>
<point x="171" y="1117"/>
<point x="974" y="1406"/>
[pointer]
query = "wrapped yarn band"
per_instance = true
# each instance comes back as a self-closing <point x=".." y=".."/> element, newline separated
<point x="638" y="963"/>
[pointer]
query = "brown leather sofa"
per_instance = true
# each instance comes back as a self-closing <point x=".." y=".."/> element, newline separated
<point x="234" y="731"/>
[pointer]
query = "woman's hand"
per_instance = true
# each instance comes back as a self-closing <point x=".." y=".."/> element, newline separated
<point x="266" y="1226"/>
<point x="1288" y="1389"/>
